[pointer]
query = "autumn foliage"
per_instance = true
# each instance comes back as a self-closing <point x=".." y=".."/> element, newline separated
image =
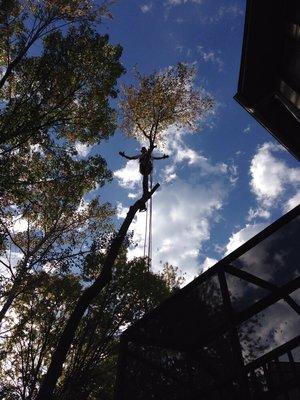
<point x="163" y="99"/>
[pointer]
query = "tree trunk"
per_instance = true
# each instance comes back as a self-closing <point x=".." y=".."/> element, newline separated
<point x="11" y="66"/>
<point x="13" y="293"/>
<point x="65" y="341"/>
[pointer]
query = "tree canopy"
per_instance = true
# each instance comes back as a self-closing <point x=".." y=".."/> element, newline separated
<point x="160" y="100"/>
<point x="90" y="368"/>
<point x="58" y="76"/>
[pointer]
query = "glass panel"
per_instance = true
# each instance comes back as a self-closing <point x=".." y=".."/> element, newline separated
<point x="267" y="330"/>
<point x="219" y="355"/>
<point x="155" y="373"/>
<point x="158" y="373"/>
<point x="257" y="382"/>
<point x="280" y="374"/>
<point x="294" y="394"/>
<point x="242" y="293"/>
<point x="284" y="358"/>
<point x="185" y="319"/>
<point x="296" y="355"/>
<point x="296" y="296"/>
<point x="143" y="382"/>
<point x="178" y="353"/>
<point x="275" y="259"/>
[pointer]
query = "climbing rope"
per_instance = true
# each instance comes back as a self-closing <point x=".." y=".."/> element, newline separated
<point x="148" y="229"/>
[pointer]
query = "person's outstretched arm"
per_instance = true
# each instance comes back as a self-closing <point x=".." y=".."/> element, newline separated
<point x="160" y="158"/>
<point x="128" y="157"/>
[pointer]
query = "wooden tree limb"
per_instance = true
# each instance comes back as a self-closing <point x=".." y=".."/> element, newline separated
<point x="65" y="341"/>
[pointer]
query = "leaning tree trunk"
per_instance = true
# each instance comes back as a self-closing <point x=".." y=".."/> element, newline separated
<point x="8" y="302"/>
<point x="65" y="341"/>
<point x="13" y="293"/>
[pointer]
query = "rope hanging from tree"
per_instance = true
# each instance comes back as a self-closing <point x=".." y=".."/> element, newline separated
<point x="148" y="229"/>
<point x="146" y="233"/>
<point x="145" y="165"/>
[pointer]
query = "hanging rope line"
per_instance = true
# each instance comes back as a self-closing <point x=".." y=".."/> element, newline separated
<point x="146" y="232"/>
<point x="148" y="229"/>
<point x="145" y="161"/>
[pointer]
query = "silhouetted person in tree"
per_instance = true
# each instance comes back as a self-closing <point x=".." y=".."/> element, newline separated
<point x="146" y="166"/>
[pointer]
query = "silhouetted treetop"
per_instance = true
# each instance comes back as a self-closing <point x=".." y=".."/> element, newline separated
<point x="163" y="99"/>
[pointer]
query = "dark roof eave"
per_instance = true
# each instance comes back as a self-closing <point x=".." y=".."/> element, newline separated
<point x="266" y="124"/>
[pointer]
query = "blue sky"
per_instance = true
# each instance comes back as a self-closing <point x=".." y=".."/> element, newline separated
<point x="222" y="185"/>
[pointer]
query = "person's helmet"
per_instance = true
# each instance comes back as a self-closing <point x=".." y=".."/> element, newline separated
<point x="143" y="150"/>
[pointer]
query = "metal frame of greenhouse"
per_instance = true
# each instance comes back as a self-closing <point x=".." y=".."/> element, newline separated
<point x="232" y="333"/>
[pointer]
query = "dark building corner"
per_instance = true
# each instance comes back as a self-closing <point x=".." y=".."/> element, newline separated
<point x="269" y="81"/>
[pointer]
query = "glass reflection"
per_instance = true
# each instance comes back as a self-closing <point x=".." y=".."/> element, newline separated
<point x="275" y="259"/>
<point x="296" y="296"/>
<point x="242" y="293"/>
<point x="184" y="350"/>
<point x="267" y="330"/>
<point x="158" y="373"/>
<point x="188" y="318"/>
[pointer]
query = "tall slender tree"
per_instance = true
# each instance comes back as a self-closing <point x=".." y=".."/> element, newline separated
<point x="158" y="102"/>
<point x="86" y="298"/>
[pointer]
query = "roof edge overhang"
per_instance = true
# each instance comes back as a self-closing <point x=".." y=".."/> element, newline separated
<point x="259" y="76"/>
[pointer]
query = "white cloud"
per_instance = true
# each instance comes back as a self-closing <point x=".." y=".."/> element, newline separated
<point x="179" y="2"/>
<point x="232" y="10"/>
<point x="258" y="213"/>
<point x="240" y="237"/>
<point x="132" y="195"/>
<point x="271" y="179"/>
<point x="83" y="149"/>
<point x="20" y="224"/>
<point x="11" y="259"/>
<point x="208" y="263"/>
<point x="83" y="206"/>
<point x="182" y="215"/>
<point x="36" y="148"/>
<point x="292" y="202"/>
<point x="229" y="11"/>
<point x="121" y="211"/>
<point x="233" y="174"/>
<point x="169" y="173"/>
<point x="145" y="8"/>
<point x="211" y="56"/>
<point x="270" y="176"/>
<point x="128" y="177"/>
<point x="190" y="155"/>
<point x="181" y="153"/>
<point x="247" y="129"/>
